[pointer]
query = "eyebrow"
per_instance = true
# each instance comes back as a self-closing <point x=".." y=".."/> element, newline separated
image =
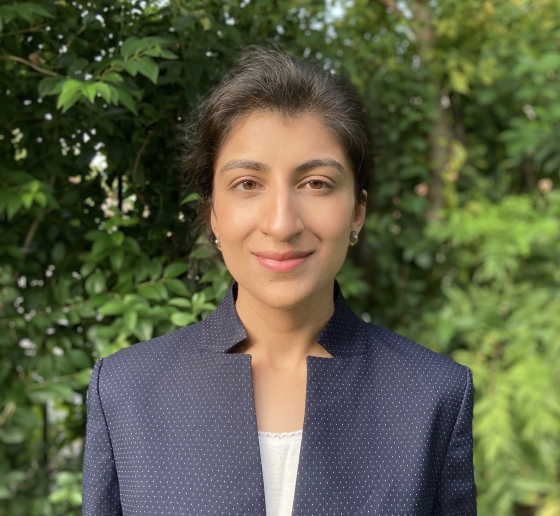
<point x="303" y="167"/>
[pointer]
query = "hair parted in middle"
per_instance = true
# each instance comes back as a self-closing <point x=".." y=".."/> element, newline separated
<point x="274" y="81"/>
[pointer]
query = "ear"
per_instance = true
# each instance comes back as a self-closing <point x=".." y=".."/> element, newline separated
<point x="214" y="222"/>
<point x="359" y="215"/>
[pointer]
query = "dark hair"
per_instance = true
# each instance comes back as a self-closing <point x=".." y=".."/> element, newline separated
<point x="270" y="80"/>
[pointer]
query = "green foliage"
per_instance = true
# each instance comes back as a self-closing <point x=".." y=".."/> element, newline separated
<point x="499" y="316"/>
<point x="96" y="250"/>
<point x="98" y="243"/>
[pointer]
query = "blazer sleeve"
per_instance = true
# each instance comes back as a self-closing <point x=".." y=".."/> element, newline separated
<point x="100" y="488"/>
<point x="457" y="490"/>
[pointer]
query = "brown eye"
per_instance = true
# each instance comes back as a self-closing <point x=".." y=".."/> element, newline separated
<point x="315" y="184"/>
<point x="249" y="185"/>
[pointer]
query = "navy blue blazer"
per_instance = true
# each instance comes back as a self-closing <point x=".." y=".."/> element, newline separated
<point x="172" y="427"/>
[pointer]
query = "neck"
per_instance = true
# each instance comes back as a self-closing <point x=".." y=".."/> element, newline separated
<point x="281" y="335"/>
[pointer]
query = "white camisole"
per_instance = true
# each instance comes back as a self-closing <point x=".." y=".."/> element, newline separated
<point x="279" y="459"/>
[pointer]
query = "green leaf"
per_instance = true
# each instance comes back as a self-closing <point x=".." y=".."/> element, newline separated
<point x="82" y="378"/>
<point x="12" y="435"/>
<point x="7" y="14"/>
<point x="182" y="319"/>
<point x="79" y="358"/>
<point x="87" y="268"/>
<point x="70" y="94"/>
<point x="156" y="268"/>
<point x="118" y="238"/>
<point x="114" y="95"/>
<point x="175" y="269"/>
<point x="178" y="287"/>
<point x="191" y="198"/>
<point x="112" y="307"/>
<point x="27" y="199"/>
<point x="149" y="68"/>
<point x="96" y="284"/>
<point x="45" y="392"/>
<point x="58" y="252"/>
<point x="113" y="77"/>
<point x="159" y="41"/>
<point x="131" y="46"/>
<point x="40" y="11"/>
<point x="154" y="291"/>
<point x="130" y="319"/>
<point x="131" y="67"/>
<point x="206" y="23"/>
<point x="180" y="302"/>
<point x="47" y="85"/>
<point x="26" y="10"/>
<point x="143" y="330"/>
<point x="25" y="417"/>
<point x="104" y="90"/>
<point x="117" y="259"/>
<point x="13" y="206"/>
<point x="126" y="100"/>
<point x="89" y="91"/>
<point x="41" y="199"/>
<point x="167" y="54"/>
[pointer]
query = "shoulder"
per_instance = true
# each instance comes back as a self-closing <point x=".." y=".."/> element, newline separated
<point x="403" y="359"/>
<point x="154" y="354"/>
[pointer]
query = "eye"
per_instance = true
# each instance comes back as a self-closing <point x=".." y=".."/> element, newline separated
<point x="316" y="184"/>
<point x="246" y="185"/>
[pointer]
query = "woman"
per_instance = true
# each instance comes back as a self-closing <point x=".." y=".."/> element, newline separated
<point x="282" y="401"/>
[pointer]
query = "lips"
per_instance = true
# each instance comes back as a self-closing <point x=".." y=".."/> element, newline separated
<point x="282" y="262"/>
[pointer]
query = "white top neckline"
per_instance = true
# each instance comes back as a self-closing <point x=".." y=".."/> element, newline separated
<point x="279" y="460"/>
<point x="281" y="435"/>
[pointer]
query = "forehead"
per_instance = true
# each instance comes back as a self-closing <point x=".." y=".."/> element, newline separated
<point x="272" y="137"/>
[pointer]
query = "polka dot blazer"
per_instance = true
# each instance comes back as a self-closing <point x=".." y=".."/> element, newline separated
<point x="172" y="428"/>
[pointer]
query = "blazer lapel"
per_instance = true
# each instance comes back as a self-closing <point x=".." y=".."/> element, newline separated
<point x="228" y="419"/>
<point x="341" y="470"/>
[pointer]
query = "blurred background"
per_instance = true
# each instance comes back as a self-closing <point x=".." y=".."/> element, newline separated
<point x="99" y="248"/>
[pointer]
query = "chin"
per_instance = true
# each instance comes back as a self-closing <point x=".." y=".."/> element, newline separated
<point x="285" y="293"/>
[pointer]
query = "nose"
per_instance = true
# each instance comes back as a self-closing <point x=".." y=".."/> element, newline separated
<point x="280" y="216"/>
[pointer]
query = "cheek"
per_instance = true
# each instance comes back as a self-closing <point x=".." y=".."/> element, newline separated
<point x="330" y="220"/>
<point x="233" y="219"/>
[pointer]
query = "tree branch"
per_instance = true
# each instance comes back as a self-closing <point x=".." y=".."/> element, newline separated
<point x="136" y="164"/>
<point x="30" y="64"/>
<point x="35" y="224"/>
<point x="31" y="233"/>
<point x="24" y="31"/>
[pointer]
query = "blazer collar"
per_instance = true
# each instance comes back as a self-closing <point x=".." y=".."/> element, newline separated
<point x="344" y="335"/>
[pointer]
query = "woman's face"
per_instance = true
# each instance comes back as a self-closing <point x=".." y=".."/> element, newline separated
<point x="283" y="207"/>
